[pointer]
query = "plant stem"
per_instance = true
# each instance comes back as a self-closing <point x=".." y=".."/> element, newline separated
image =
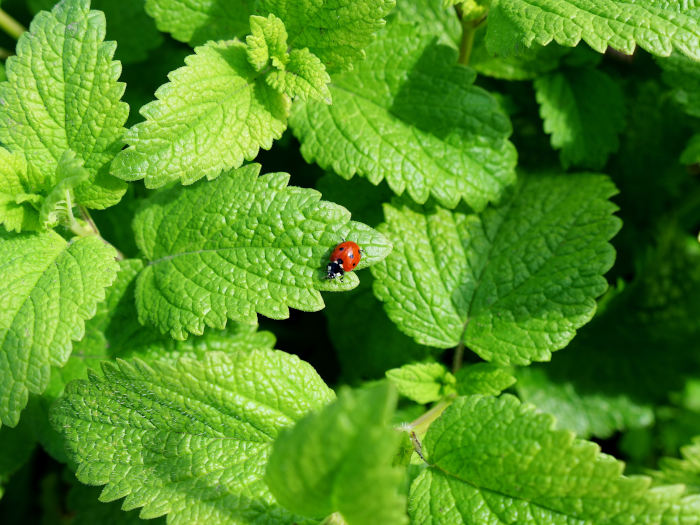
<point x="4" y="53"/>
<point x="458" y="357"/>
<point x="421" y="424"/>
<point x="467" y="42"/>
<point x="11" y="26"/>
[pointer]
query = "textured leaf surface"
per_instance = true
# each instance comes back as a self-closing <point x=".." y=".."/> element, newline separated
<point x="70" y="174"/>
<point x="19" y="200"/>
<point x="127" y="23"/>
<point x="49" y="288"/>
<point x="336" y="31"/>
<point x="409" y="115"/>
<point x="685" y="470"/>
<point x="87" y="509"/>
<point x="483" y="378"/>
<point x="608" y="378"/>
<point x="239" y="245"/>
<point x="114" y="332"/>
<point x="304" y="77"/>
<point x="423" y="382"/>
<point x="528" y="64"/>
<point x="215" y="112"/>
<point x="267" y="42"/>
<point x="62" y="93"/>
<point x="493" y="460"/>
<point x="328" y="460"/>
<point x="584" y="112"/>
<point x="515" y="282"/>
<point x="196" y="21"/>
<point x="657" y="27"/>
<point x="191" y="439"/>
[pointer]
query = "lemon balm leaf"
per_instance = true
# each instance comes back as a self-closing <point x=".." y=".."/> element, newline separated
<point x="657" y="27"/>
<point x="496" y="460"/>
<point x="336" y="32"/>
<point x="326" y="462"/>
<point x="584" y="112"/>
<point x="62" y="94"/>
<point x="253" y="244"/>
<point x="189" y="439"/>
<point x="389" y="122"/>
<point x="513" y="283"/>
<point x="197" y="21"/>
<point x="50" y="287"/>
<point x="215" y="112"/>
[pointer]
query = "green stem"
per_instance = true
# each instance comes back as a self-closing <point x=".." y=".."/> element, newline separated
<point x="11" y="26"/>
<point x="467" y="42"/>
<point x="4" y="53"/>
<point x="458" y="357"/>
<point x="421" y="424"/>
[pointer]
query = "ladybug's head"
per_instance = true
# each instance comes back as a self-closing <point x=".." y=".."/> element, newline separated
<point x="335" y="269"/>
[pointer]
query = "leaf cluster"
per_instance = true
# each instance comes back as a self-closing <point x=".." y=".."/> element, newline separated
<point x="521" y="176"/>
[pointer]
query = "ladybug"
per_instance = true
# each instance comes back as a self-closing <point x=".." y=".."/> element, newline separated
<point x="343" y="259"/>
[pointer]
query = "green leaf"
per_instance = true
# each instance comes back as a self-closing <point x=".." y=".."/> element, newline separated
<point x="691" y="153"/>
<point x="329" y="460"/>
<point x="254" y="245"/>
<point x="267" y="42"/>
<point x="409" y="115"/>
<point x="655" y="26"/>
<point x="584" y="112"/>
<point x="608" y="378"/>
<point x="56" y="207"/>
<point x="49" y="288"/>
<point x="431" y="18"/>
<point x="367" y="353"/>
<point x="127" y="23"/>
<point x="526" y="65"/>
<point x="87" y="509"/>
<point x="513" y="283"/>
<point x="299" y="73"/>
<point x="483" y="378"/>
<point x="304" y="77"/>
<point x="189" y="439"/>
<point x="197" y="21"/>
<point x="3" y="76"/>
<point x="216" y="112"/>
<point x="114" y="332"/>
<point x="337" y="32"/>
<point x="493" y="460"/>
<point x="685" y="470"/>
<point x="62" y="93"/>
<point x="423" y="382"/>
<point x="683" y="76"/>
<point x="18" y="198"/>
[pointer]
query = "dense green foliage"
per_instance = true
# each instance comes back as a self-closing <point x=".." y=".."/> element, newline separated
<point x="521" y="176"/>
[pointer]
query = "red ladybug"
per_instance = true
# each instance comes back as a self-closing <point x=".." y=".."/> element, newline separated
<point x="344" y="258"/>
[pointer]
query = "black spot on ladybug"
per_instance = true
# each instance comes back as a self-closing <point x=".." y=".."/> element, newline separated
<point x="354" y="264"/>
<point x="342" y="248"/>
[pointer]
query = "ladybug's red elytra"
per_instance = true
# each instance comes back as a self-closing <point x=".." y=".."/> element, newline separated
<point x="344" y="258"/>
